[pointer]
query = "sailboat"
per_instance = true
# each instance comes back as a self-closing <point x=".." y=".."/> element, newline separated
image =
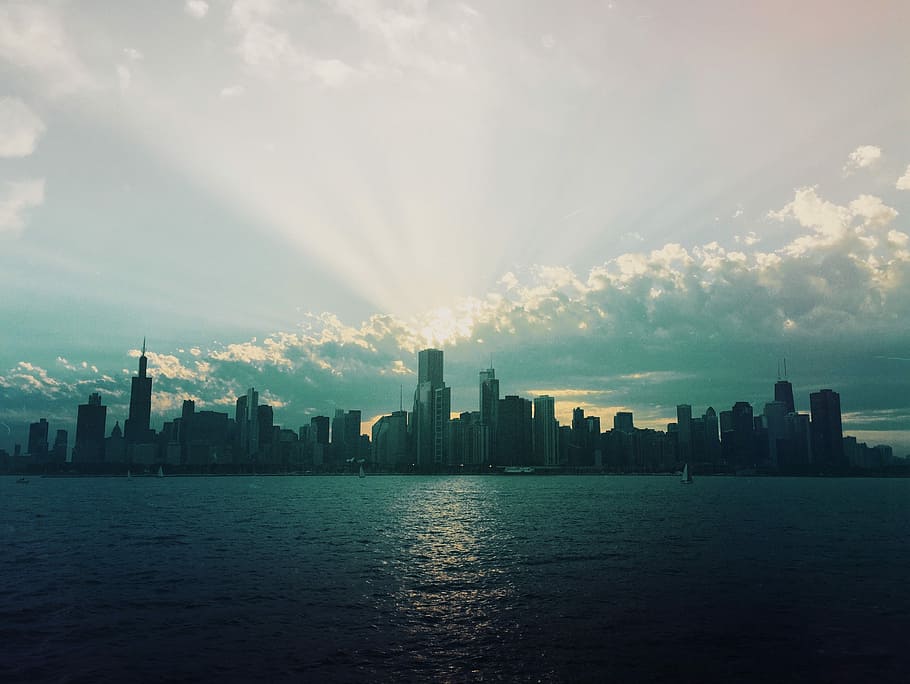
<point x="160" y="471"/>
<point x="361" y="474"/>
<point x="129" y="475"/>
<point x="686" y="475"/>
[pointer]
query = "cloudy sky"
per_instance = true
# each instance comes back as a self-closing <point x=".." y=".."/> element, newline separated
<point x="627" y="204"/>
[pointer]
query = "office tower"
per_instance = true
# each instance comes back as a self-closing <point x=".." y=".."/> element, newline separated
<point x="265" y="421"/>
<point x="783" y="392"/>
<point x="136" y="428"/>
<point x="319" y="430"/>
<point x="514" y="431"/>
<point x="390" y="440"/>
<point x="622" y="422"/>
<point x="826" y="430"/>
<point x="489" y="413"/>
<point x="432" y="410"/>
<point x="580" y="447"/>
<point x="429" y="367"/>
<point x="743" y="453"/>
<point x="712" y="438"/>
<point x="684" y="432"/>
<point x="37" y="440"/>
<point x="90" y="426"/>
<point x="545" y="430"/>
<point x="774" y="420"/>
<point x="60" y="444"/>
<point x="352" y="435"/>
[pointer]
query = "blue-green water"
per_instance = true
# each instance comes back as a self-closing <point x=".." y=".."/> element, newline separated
<point x="454" y="579"/>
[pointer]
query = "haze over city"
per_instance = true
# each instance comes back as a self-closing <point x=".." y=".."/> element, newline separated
<point x="627" y="205"/>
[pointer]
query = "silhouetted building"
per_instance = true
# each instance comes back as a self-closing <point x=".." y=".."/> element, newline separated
<point x="622" y="422"/>
<point x="743" y="435"/>
<point x="514" y="431"/>
<point x="37" y="441"/>
<point x="783" y="392"/>
<point x="136" y="429"/>
<point x="390" y="440"/>
<point x="432" y="410"/>
<point x="712" y="437"/>
<point x="684" y="432"/>
<point x="58" y="455"/>
<point x="775" y="427"/>
<point x="545" y="427"/>
<point x="489" y="414"/>
<point x="90" y="427"/>
<point x="115" y="445"/>
<point x="827" y="436"/>
<point x="246" y="418"/>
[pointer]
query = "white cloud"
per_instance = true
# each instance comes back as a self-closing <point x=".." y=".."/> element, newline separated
<point x="132" y="54"/>
<point x="15" y="199"/>
<point x="232" y="91"/>
<point x="332" y="72"/>
<point x="903" y="183"/>
<point x="124" y="77"/>
<point x="20" y="128"/>
<point x="32" y="38"/>
<point x="862" y="157"/>
<point x="196" y="8"/>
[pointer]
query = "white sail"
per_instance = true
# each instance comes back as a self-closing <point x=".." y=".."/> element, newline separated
<point x="361" y="470"/>
<point x="160" y="471"/>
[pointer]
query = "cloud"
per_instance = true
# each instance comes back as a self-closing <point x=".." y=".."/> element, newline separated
<point x="15" y="199"/>
<point x="196" y="8"/>
<point x="32" y="38"/>
<point x="20" y="128"/>
<point x="132" y="54"/>
<point x="232" y="91"/>
<point x="862" y="157"/>
<point x="903" y="183"/>
<point x="124" y="77"/>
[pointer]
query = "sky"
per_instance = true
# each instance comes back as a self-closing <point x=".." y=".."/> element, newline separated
<point x="627" y="205"/>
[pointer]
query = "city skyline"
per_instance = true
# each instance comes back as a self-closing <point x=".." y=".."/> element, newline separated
<point x="499" y="431"/>
<point x="628" y="205"/>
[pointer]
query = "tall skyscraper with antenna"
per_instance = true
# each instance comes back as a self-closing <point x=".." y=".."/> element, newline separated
<point x="783" y="390"/>
<point x="136" y="428"/>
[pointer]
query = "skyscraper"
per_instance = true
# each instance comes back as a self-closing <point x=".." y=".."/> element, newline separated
<point x="90" y="425"/>
<point x="432" y="409"/>
<point x="489" y="414"/>
<point x="136" y="428"/>
<point x="37" y="439"/>
<point x="545" y="430"/>
<point x="827" y="435"/>
<point x="514" y="431"/>
<point x="684" y="435"/>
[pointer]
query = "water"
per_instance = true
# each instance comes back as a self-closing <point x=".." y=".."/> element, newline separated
<point x="454" y="579"/>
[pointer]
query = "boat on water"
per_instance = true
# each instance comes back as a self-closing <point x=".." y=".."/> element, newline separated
<point x="516" y="470"/>
<point x="22" y="480"/>
<point x="686" y="475"/>
<point x="361" y="473"/>
<point x="160" y="471"/>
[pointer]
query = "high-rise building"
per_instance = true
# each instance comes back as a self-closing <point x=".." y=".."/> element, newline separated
<point x="37" y="440"/>
<point x="90" y="426"/>
<point x="390" y="439"/>
<point x="684" y="432"/>
<point x="136" y="428"/>
<point x="783" y="392"/>
<point x="712" y="438"/>
<point x="826" y="429"/>
<point x="622" y="422"/>
<point x="774" y="420"/>
<point x="60" y="444"/>
<point x="489" y="414"/>
<point x="545" y="427"/>
<point x="514" y="431"/>
<point x="432" y="410"/>
<point x="743" y="452"/>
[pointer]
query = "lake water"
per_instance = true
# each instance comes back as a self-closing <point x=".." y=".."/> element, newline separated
<point x="492" y="578"/>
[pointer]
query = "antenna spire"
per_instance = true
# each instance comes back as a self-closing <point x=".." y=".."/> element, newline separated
<point x="400" y="398"/>
<point x="143" y="346"/>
